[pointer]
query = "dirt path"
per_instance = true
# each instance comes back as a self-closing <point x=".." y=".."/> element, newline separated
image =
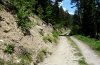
<point x="63" y="55"/>
<point x="91" y="57"/>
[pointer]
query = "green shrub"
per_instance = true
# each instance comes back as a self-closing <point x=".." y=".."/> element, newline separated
<point x="24" y="8"/>
<point x="45" y="38"/>
<point x="23" y="21"/>
<point x="9" y="48"/>
<point x="55" y="40"/>
<point x="50" y="39"/>
<point x="82" y="62"/>
<point x="26" y="57"/>
<point x="41" y="55"/>
<point x="55" y="33"/>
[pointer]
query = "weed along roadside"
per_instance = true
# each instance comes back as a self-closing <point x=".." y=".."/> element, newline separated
<point x="94" y="44"/>
<point x="64" y="54"/>
<point x="82" y="60"/>
<point x="90" y="56"/>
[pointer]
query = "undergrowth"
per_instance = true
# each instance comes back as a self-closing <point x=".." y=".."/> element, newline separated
<point x="50" y="39"/>
<point x="9" y="48"/>
<point x="41" y="55"/>
<point x="24" y="9"/>
<point x="26" y="57"/>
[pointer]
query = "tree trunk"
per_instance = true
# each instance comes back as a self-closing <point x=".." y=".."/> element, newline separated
<point x="95" y="25"/>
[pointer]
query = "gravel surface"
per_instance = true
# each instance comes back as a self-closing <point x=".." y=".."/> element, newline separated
<point x="63" y="55"/>
<point x="91" y="57"/>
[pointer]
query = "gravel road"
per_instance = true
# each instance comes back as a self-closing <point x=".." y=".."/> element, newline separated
<point x="63" y="55"/>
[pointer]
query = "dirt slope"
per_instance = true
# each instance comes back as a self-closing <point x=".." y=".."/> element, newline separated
<point x="33" y="43"/>
<point x="91" y="57"/>
<point x="63" y="54"/>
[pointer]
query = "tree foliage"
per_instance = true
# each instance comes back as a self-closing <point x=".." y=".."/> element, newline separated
<point x="48" y="10"/>
<point x="88" y="17"/>
<point x="24" y="8"/>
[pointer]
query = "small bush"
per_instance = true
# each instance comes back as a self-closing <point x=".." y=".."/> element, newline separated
<point x="82" y="62"/>
<point x="55" y="40"/>
<point x="55" y="33"/>
<point x="50" y="39"/>
<point x="27" y="57"/>
<point x="45" y="38"/>
<point x="24" y="8"/>
<point x="41" y="55"/>
<point x="9" y="48"/>
<point x="23" y="21"/>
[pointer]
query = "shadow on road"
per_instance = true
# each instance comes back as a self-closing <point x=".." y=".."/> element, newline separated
<point x="64" y="35"/>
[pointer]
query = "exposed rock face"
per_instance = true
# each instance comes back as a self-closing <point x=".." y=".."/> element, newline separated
<point x="9" y="32"/>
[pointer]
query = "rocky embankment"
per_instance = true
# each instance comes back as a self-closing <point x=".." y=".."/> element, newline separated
<point x="32" y="44"/>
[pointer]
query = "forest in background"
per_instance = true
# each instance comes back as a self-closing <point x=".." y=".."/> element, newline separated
<point x="85" y="21"/>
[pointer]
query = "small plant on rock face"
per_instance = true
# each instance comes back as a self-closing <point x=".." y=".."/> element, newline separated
<point x="41" y="55"/>
<point x="49" y="38"/>
<point x="55" y="33"/>
<point x="25" y="55"/>
<point x="9" y="48"/>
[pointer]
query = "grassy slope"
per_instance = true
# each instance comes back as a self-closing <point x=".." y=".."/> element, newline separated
<point x="94" y="44"/>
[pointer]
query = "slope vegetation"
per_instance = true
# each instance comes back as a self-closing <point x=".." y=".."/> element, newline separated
<point x="17" y="48"/>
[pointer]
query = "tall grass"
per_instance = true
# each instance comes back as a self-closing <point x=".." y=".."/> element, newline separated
<point x="94" y="44"/>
